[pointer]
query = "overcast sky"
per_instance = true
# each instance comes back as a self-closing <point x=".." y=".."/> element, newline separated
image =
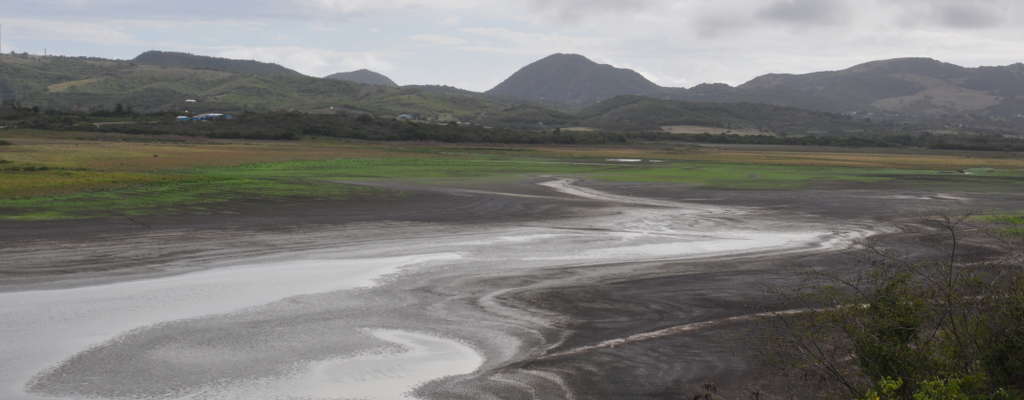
<point x="475" y="44"/>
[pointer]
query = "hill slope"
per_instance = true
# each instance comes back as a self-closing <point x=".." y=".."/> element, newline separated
<point x="87" y="84"/>
<point x="191" y="61"/>
<point x="572" y="80"/>
<point x="903" y="88"/>
<point x="645" y="113"/>
<point x="906" y="88"/>
<point x="933" y="94"/>
<point x="913" y="86"/>
<point x="363" y="76"/>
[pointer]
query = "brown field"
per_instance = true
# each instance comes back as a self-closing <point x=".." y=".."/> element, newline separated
<point x="791" y="155"/>
<point x="579" y="129"/>
<point x="697" y="130"/>
<point x="132" y="153"/>
<point x="64" y="86"/>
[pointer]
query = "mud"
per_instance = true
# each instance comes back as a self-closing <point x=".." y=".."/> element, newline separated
<point x="514" y="291"/>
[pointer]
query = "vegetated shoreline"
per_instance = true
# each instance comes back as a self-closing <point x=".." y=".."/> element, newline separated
<point x="483" y="209"/>
<point x="131" y="178"/>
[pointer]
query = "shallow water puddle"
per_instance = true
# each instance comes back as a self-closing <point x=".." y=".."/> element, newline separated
<point x="42" y="328"/>
<point x="383" y="375"/>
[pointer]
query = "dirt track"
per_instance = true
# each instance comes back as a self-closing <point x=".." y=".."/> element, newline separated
<point x="538" y="312"/>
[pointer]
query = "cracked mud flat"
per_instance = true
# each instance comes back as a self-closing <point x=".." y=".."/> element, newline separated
<point x="383" y="311"/>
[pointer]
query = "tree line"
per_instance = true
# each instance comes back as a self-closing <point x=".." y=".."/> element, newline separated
<point x="295" y="125"/>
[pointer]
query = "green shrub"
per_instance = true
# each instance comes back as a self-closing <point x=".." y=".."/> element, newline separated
<point x="938" y="330"/>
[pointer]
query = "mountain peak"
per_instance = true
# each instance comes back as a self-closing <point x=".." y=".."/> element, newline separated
<point x="567" y="57"/>
<point x="915" y="65"/>
<point x="363" y="76"/>
<point x="573" y="80"/>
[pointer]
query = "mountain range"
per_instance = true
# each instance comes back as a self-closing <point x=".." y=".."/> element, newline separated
<point x="558" y="90"/>
<point x="906" y="87"/>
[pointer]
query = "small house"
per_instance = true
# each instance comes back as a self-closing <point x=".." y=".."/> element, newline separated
<point x="211" y="116"/>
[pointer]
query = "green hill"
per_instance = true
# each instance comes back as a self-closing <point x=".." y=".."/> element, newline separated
<point x="644" y="113"/>
<point x="192" y="61"/>
<point x="363" y="76"/>
<point x="89" y="84"/>
<point x="572" y="80"/>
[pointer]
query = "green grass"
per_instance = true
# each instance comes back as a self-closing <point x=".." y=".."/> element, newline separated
<point x="752" y="176"/>
<point x="23" y="181"/>
<point x="84" y="193"/>
<point x="191" y="191"/>
<point x="408" y="168"/>
<point x="1011" y="225"/>
<point x="191" y="195"/>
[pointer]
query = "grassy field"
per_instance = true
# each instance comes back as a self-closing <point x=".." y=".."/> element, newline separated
<point x="57" y="175"/>
<point x="1011" y="225"/>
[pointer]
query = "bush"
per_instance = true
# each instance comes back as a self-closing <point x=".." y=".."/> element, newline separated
<point x="936" y="330"/>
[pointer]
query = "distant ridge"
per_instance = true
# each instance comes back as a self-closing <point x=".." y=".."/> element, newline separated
<point x="192" y="61"/>
<point x="572" y="80"/>
<point x="363" y="76"/>
<point x="553" y="92"/>
<point x="920" y="87"/>
<point x="901" y="88"/>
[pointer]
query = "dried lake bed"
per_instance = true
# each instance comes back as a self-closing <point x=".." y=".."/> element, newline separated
<point x="373" y="311"/>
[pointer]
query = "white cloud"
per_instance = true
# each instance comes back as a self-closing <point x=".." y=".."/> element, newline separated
<point x="309" y="61"/>
<point x="348" y="7"/>
<point x="503" y="40"/>
<point x="575" y="10"/>
<point x="443" y="40"/>
<point x="71" y="31"/>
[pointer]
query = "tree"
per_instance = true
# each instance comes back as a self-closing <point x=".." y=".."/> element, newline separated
<point x="939" y="329"/>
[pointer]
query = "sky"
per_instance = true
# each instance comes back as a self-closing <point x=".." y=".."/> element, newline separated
<point x="475" y="44"/>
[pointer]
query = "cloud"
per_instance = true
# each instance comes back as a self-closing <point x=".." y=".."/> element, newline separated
<point x="710" y="26"/>
<point x="355" y="6"/>
<point x="309" y="61"/>
<point x="223" y="9"/>
<point x="979" y="14"/>
<point x="805" y="12"/>
<point x="442" y="40"/>
<point x="69" y="31"/>
<point x="574" y="10"/>
<point x="968" y="16"/>
<point x="508" y="41"/>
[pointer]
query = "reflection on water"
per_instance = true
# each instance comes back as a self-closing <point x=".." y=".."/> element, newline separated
<point x="380" y="374"/>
